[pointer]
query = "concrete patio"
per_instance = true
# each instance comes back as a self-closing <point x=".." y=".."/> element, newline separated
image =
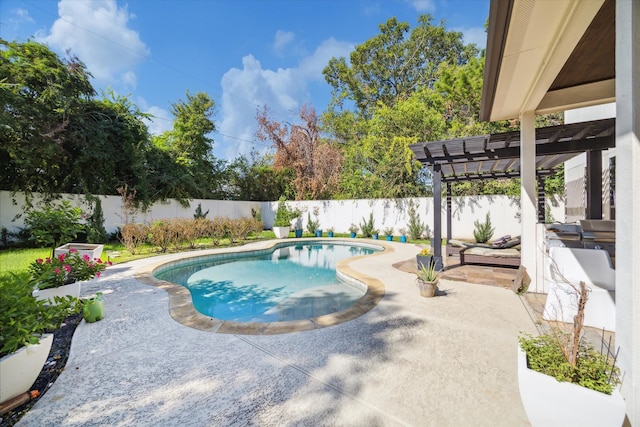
<point x="449" y="360"/>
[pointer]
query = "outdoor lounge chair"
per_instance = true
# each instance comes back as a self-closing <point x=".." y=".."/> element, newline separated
<point x="505" y="254"/>
<point x="574" y="265"/>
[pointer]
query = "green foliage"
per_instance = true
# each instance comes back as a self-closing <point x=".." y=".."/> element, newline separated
<point x="388" y="231"/>
<point x="54" y="224"/>
<point x="64" y="270"/>
<point x="368" y="227"/>
<point x="429" y="273"/>
<point x="391" y="65"/>
<point x="416" y="227"/>
<point x="592" y="370"/>
<point x="312" y="225"/>
<point x="483" y="230"/>
<point x="199" y="213"/>
<point x="23" y="319"/>
<point x="96" y="233"/>
<point x="284" y="214"/>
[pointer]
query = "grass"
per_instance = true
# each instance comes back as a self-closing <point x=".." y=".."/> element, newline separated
<point x="16" y="260"/>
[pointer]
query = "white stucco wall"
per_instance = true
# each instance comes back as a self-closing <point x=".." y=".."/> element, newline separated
<point x="339" y="214"/>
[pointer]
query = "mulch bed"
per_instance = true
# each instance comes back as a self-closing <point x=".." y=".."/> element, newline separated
<point x="53" y="367"/>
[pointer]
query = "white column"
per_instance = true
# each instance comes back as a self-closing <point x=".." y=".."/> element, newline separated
<point x="628" y="202"/>
<point x="529" y="198"/>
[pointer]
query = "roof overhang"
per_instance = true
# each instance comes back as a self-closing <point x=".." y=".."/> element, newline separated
<point x="548" y="56"/>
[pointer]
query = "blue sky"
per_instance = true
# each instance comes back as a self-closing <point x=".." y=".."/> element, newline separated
<point x="243" y="53"/>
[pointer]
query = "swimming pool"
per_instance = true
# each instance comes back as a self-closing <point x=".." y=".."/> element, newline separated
<point x="289" y="282"/>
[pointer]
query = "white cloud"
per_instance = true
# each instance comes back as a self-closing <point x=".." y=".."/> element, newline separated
<point x="284" y="90"/>
<point x="97" y="32"/>
<point x="22" y="15"/>
<point x="281" y="40"/>
<point x="422" y="5"/>
<point x="476" y="35"/>
<point x="160" y="122"/>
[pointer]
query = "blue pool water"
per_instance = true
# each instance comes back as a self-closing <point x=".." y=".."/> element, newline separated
<point x="293" y="282"/>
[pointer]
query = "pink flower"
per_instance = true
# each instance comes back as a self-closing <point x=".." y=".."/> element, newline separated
<point x="98" y="260"/>
<point x="86" y="258"/>
<point x="61" y="257"/>
<point x="97" y="274"/>
<point x="73" y="250"/>
<point x="48" y="260"/>
<point x="68" y="268"/>
<point x="39" y="261"/>
<point x="56" y="270"/>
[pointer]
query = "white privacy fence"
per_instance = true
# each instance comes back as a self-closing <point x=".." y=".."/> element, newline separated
<point x="338" y="214"/>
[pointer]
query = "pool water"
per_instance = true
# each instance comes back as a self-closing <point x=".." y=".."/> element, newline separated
<point x="292" y="282"/>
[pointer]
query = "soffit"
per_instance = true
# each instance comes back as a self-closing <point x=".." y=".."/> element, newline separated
<point x="529" y="44"/>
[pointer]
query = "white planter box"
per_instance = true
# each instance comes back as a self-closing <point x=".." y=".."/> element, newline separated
<point x="72" y="289"/>
<point x="93" y="250"/>
<point x="281" y="232"/>
<point x="549" y="402"/>
<point x="19" y="370"/>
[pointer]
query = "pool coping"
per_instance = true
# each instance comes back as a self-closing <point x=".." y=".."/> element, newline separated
<point x="182" y="310"/>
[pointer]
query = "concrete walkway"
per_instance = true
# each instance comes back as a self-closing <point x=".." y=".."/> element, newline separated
<point x="444" y="361"/>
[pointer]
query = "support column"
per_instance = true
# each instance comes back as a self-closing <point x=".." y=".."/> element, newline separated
<point x="628" y="202"/>
<point x="437" y="217"/>
<point x="449" y="227"/>
<point x="528" y="198"/>
<point x="594" y="184"/>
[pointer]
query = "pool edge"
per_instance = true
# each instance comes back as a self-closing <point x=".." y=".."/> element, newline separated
<point x="182" y="310"/>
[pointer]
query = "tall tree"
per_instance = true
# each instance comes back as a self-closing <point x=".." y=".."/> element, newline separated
<point x="255" y="178"/>
<point x="39" y="94"/>
<point x="191" y="147"/>
<point x="315" y="161"/>
<point x="390" y="66"/>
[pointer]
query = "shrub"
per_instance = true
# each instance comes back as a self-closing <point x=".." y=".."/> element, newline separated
<point x="415" y="226"/>
<point x="54" y="224"/>
<point x="218" y="230"/>
<point x="284" y="214"/>
<point x="312" y="225"/>
<point x="591" y="370"/>
<point x="23" y="318"/>
<point x="483" y="230"/>
<point x="163" y="233"/>
<point x="64" y="269"/>
<point x="133" y="236"/>
<point x="367" y="228"/>
<point x="96" y="232"/>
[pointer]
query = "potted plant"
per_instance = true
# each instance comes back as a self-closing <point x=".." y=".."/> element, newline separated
<point x="24" y="345"/>
<point x="427" y="280"/>
<point x="564" y="381"/>
<point x="62" y="275"/>
<point x="375" y="233"/>
<point x="282" y="221"/>
<point x="403" y="235"/>
<point x="313" y="226"/>
<point x="330" y="231"/>
<point x="353" y="229"/>
<point x="424" y="258"/>
<point x="388" y="232"/>
<point x="367" y="227"/>
<point x="297" y="228"/>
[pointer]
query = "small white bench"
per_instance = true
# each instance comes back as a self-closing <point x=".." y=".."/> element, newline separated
<point x="591" y="266"/>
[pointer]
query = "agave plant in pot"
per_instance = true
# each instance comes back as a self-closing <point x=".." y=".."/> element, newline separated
<point x="427" y="280"/>
<point x="63" y="274"/>
<point x="563" y="380"/>
<point x="24" y="343"/>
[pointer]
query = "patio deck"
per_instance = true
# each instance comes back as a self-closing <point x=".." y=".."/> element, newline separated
<point x="449" y="360"/>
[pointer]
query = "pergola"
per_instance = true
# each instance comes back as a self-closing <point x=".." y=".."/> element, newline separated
<point x="498" y="156"/>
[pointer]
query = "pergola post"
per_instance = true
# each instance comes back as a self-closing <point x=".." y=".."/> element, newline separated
<point x="542" y="205"/>
<point x="528" y="197"/>
<point x="628" y="202"/>
<point x="437" y="217"/>
<point x="449" y="227"/>
<point x="594" y="184"/>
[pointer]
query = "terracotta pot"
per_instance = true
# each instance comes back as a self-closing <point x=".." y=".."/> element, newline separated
<point x="427" y="289"/>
